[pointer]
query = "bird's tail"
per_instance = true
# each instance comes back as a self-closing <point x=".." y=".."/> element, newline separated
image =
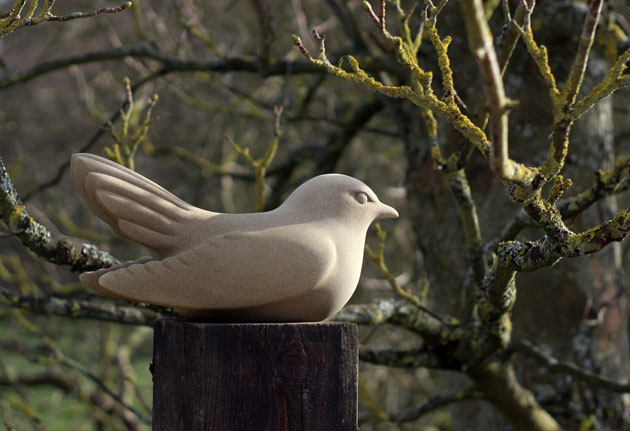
<point x="134" y="206"/>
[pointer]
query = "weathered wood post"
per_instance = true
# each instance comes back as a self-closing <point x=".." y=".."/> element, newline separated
<point x="258" y="377"/>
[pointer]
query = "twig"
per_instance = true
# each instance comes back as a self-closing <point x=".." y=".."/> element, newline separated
<point x="419" y="93"/>
<point x="80" y="367"/>
<point x="614" y="80"/>
<point x="576" y="75"/>
<point x="14" y="21"/>
<point x="506" y="11"/>
<point x="93" y="140"/>
<point x="393" y="312"/>
<point x="458" y="184"/>
<point x="563" y="103"/>
<point x="104" y="10"/>
<point x="260" y="165"/>
<point x="24" y="404"/>
<point x="458" y="159"/>
<point x="379" y="259"/>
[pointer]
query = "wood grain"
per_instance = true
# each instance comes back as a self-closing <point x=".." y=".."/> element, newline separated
<point x="262" y="377"/>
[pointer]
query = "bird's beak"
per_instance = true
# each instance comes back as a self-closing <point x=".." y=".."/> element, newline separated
<point x="385" y="211"/>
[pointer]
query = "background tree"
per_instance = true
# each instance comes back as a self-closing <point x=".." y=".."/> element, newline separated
<point x="496" y="128"/>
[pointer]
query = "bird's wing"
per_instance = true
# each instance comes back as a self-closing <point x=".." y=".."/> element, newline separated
<point x="236" y="270"/>
<point x="134" y="206"/>
<point x="90" y="279"/>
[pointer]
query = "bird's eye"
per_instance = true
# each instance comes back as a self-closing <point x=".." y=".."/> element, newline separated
<point x="362" y="197"/>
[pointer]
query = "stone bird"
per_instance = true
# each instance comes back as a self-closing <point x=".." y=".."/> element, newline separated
<point x="298" y="262"/>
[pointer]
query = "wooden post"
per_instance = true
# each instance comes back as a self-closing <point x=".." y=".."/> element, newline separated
<point x="258" y="377"/>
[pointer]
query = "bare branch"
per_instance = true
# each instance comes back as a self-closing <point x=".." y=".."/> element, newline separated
<point x="79" y="309"/>
<point x="433" y="403"/>
<point x="172" y="64"/>
<point x="378" y="258"/>
<point x="481" y="45"/>
<point x="394" y="312"/>
<point x="499" y="385"/>
<point x="566" y="367"/>
<point x="460" y="188"/>
<point x="576" y="76"/>
<point x="101" y="384"/>
<point x="412" y="358"/>
<point x="104" y="10"/>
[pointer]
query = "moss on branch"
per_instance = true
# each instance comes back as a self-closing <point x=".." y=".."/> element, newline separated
<point x="38" y="239"/>
<point x="419" y="92"/>
<point x="260" y="165"/>
<point x="533" y="255"/>
<point x="606" y="183"/>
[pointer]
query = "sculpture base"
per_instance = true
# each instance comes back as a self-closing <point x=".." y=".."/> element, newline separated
<point x="258" y="377"/>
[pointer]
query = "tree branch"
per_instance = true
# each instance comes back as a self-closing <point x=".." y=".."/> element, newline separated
<point x="608" y="183"/>
<point x="13" y="20"/>
<point x="565" y="367"/>
<point x="546" y="252"/>
<point x="482" y="47"/>
<point x="38" y="239"/>
<point x="394" y="312"/>
<point x="563" y="105"/>
<point x="412" y="358"/>
<point x="458" y="183"/>
<point x="499" y="385"/>
<point x="419" y="93"/>
<point x="433" y="403"/>
<point x="576" y="76"/>
<point x="79" y="309"/>
<point x="172" y="64"/>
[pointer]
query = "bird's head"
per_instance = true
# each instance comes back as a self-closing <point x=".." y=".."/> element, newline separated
<point x="340" y="197"/>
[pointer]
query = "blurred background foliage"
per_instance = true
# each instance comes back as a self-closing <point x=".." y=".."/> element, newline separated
<point x="59" y="373"/>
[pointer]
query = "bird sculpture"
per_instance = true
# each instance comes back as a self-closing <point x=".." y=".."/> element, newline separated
<point x="299" y="262"/>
